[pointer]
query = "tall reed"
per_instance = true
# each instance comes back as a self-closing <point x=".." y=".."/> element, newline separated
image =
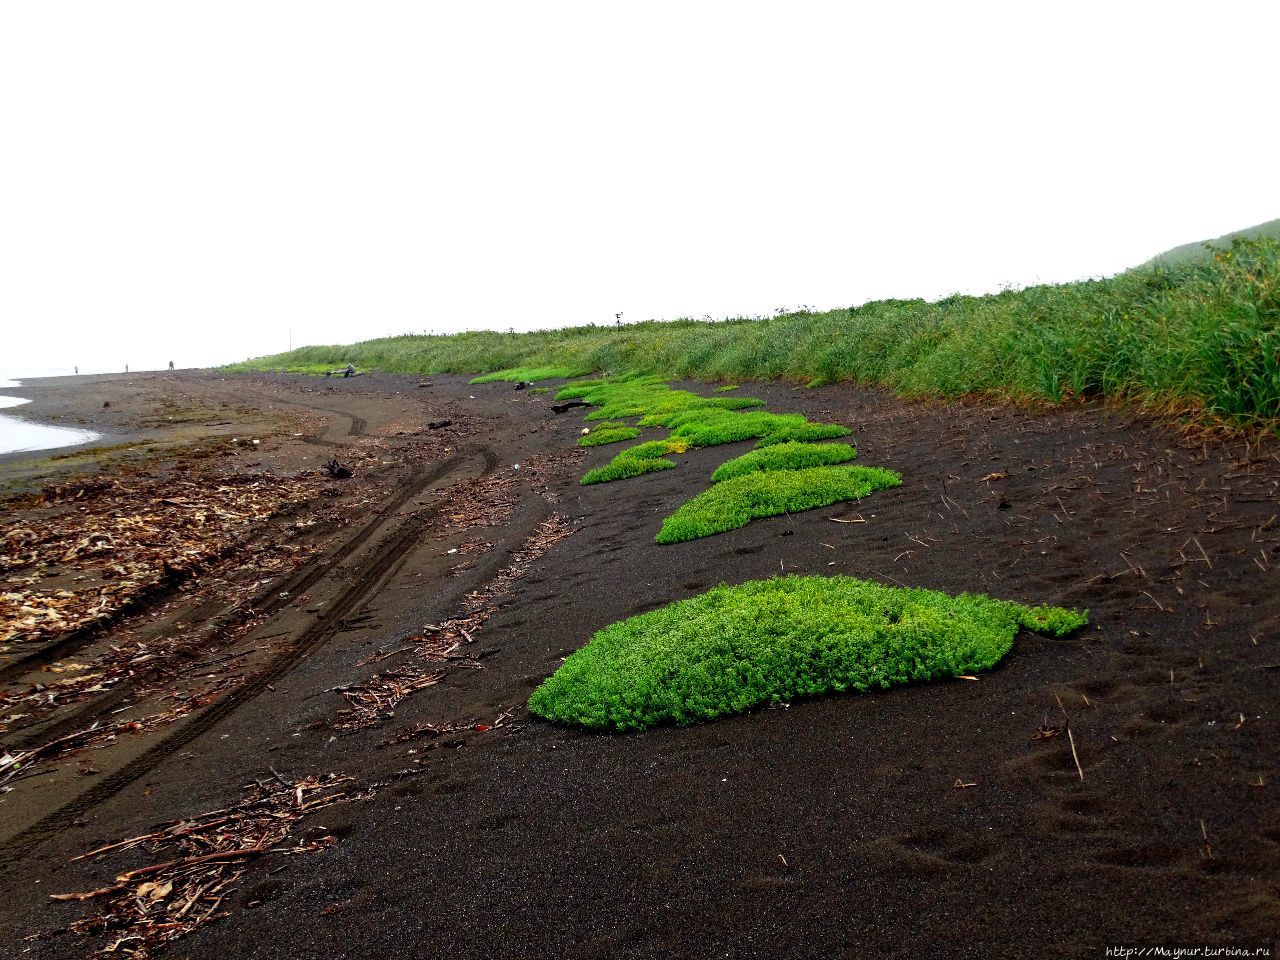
<point x="1200" y="338"/>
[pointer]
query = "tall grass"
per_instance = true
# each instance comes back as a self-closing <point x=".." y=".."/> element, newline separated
<point x="1199" y="338"/>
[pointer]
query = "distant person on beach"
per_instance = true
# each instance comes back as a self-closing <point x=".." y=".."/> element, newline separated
<point x="77" y="371"/>
<point x="170" y="364"/>
<point x="126" y="368"/>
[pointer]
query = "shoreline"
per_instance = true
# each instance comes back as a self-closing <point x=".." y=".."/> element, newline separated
<point x="34" y="433"/>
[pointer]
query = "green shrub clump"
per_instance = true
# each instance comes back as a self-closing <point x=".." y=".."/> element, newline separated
<point x="602" y="435"/>
<point x="632" y="462"/>
<point x="784" y="456"/>
<point x="642" y="396"/>
<point x="709" y="427"/>
<point x="772" y="641"/>
<point x="530" y="374"/>
<point x="735" y="503"/>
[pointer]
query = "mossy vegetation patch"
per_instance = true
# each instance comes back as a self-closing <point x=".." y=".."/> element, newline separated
<point x="773" y="641"/>
<point x="735" y="503"/>
<point x="784" y="456"/>
<point x="602" y="435"/>
<point x="634" y="461"/>
<point x="530" y="374"/>
<point x="709" y="427"/>
<point x="643" y="396"/>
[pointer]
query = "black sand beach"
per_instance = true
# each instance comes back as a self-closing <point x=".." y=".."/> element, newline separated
<point x="927" y="821"/>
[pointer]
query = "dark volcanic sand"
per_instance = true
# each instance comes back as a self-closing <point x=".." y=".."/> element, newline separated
<point x="834" y="827"/>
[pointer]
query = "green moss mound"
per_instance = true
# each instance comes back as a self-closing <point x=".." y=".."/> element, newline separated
<point x="735" y="503"/>
<point x="530" y="374"/>
<point x="634" y="461"/>
<point x="784" y="456"/>
<point x="709" y="427"/>
<point x="644" y="396"/>
<point x="602" y="435"/>
<point x="772" y="641"/>
<point x="623" y="468"/>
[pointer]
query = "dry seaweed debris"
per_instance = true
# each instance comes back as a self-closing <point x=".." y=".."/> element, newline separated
<point x="20" y="764"/>
<point x="486" y="501"/>
<point x="204" y="858"/>
<point x="372" y="700"/>
<point x="155" y="665"/>
<point x="81" y="551"/>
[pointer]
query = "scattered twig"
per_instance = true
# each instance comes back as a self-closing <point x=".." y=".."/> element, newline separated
<point x="1066" y="722"/>
<point x="179" y="894"/>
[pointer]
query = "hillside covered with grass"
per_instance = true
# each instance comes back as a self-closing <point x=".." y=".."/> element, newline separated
<point x="1198" y="338"/>
<point x="1202" y="251"/>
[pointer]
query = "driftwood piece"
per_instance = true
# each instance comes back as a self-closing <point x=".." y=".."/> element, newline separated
<point x="568" y="405"/>
<point x="338" y="471"/>
<point x="438" y="424"/>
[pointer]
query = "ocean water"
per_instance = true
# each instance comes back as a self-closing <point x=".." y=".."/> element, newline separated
<point x="20" y="435"/>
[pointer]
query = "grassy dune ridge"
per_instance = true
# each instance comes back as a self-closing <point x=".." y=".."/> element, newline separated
<point x="1200" y="338"/>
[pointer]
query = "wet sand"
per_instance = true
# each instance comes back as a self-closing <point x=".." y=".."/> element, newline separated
<point x="18" y="434"/>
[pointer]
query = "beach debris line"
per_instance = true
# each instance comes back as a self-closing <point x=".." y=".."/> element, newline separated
<point x="486" y="501"/>
<point x="378" y="697"/>
<point x="20" y="764"/>
<point x="371" y="701"/>
<point x="200" y="860"/>
<point x="432" y="732"/>
<point x="77" y="554"/>
<point x="189" y="666"/>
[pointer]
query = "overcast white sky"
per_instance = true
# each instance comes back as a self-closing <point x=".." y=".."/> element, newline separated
<point x="193" y="181"/>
